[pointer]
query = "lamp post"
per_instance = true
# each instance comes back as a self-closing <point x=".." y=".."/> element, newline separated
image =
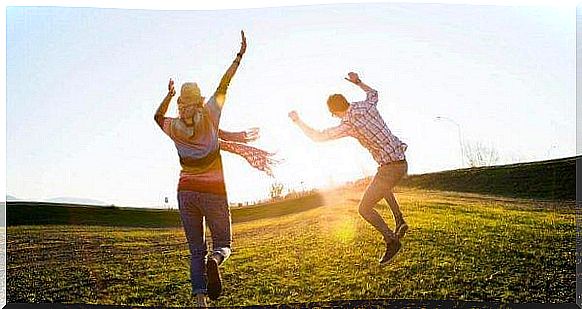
<point x="460" y="136"/>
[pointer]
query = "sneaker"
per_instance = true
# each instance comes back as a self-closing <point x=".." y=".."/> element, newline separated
<point x="392" y="248"/>
<point x="401" y="230"/>
<point x="214" y="285"/>
<point x="201" y="301"/>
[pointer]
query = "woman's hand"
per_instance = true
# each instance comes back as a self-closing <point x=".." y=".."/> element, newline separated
<point x="251" y="135"/>
<point x="243" y="44"/>
<point x="171" y="90"/>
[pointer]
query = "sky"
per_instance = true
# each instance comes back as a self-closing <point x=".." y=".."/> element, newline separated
<point x="82" y="86"/>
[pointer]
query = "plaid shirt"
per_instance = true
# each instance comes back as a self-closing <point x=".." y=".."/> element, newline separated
<point x="363" y="122"/>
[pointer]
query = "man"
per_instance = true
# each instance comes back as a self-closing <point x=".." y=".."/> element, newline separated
<point x="201" y="190"/>
<point x="362" y="121"/>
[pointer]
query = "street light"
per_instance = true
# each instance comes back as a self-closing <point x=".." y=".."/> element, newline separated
<point x="460" y="137"/>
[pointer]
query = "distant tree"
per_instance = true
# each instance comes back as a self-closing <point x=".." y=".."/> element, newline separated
<point x="276" y="190"/>
<point x="292" y="193"/>
<point x="478" y="154"/>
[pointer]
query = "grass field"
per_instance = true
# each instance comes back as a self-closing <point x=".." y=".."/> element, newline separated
<point x="460" y="246"/>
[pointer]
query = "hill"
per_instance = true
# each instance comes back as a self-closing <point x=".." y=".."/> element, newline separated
<point x="11" y="198"/>
<point x="549" y="180"/>
<point x="76" y="200"/>
<point x="38" y="213"/>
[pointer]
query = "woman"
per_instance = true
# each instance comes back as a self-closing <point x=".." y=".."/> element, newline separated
<point x="201" y="190"/>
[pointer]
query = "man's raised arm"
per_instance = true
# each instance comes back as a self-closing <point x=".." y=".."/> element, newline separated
<point x="371" y="94"/>
<point x="161" y="112"/>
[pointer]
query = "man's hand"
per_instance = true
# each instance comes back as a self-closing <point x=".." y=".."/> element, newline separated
<point x="294" y="116"/>
<point x="353" y="78"/>
<point x="243" y="43"/>
<point x="171" y="90"/>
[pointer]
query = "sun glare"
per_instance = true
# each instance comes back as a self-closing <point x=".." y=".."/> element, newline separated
<point x="338" y="218"/>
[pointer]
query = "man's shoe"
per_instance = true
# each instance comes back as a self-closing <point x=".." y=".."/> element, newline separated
<point x="401" y="230"/>
<point x="392" y="248"/>
<point x="214" y="285"/>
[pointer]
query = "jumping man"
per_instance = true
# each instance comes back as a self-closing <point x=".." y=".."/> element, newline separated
<point x="362" y="121"/>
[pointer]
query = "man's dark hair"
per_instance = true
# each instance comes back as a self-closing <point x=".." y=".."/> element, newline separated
<point x="337" y="103"/>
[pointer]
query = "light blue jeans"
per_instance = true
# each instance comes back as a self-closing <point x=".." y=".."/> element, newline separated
<point x="197" y="209"/>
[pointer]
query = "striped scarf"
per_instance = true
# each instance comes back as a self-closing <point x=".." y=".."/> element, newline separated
<point x="235" y="142"/>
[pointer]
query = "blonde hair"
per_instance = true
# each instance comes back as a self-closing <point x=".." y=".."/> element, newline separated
<point x="189" y="95"/>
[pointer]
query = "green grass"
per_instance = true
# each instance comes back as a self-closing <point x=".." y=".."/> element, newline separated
<point x="460" y="246"/>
